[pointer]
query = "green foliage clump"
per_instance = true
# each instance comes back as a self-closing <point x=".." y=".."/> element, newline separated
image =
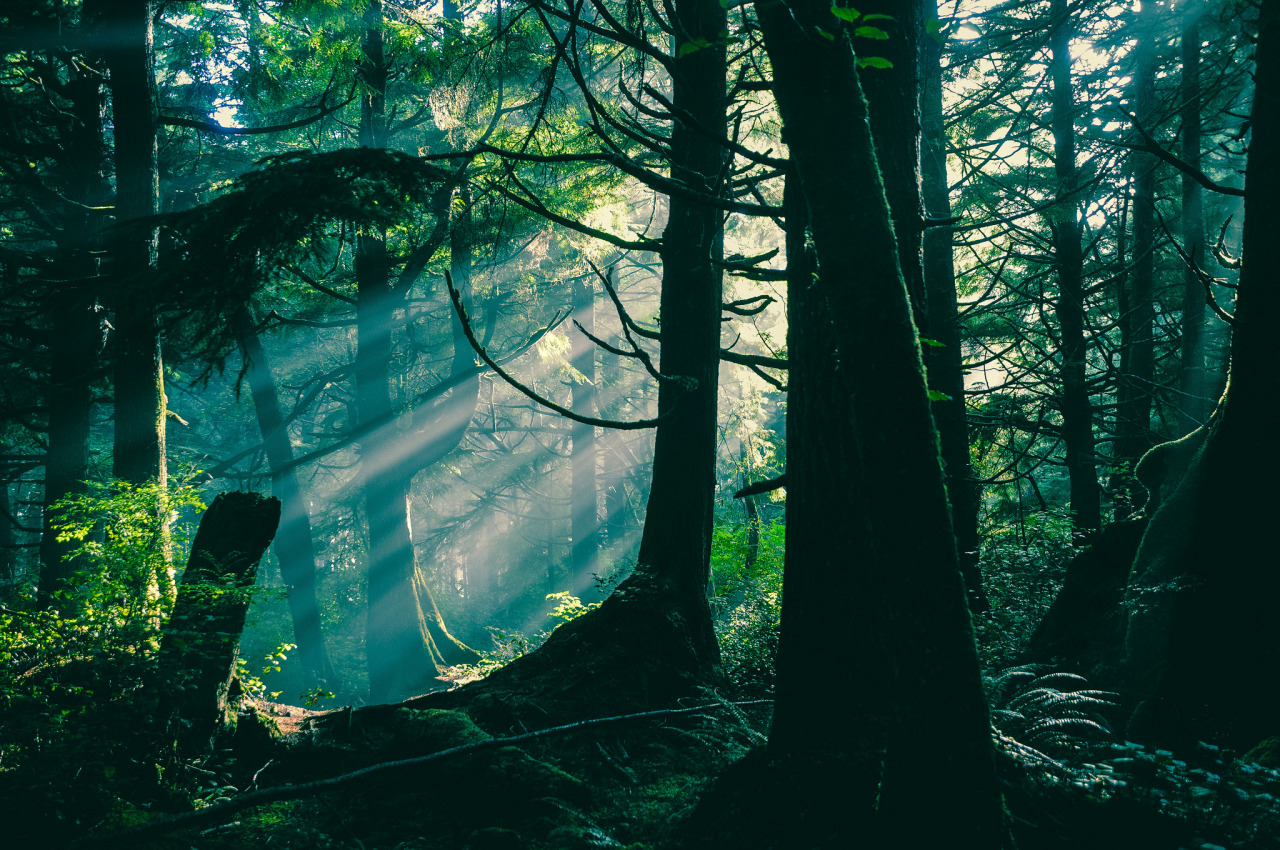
<point x="747" y="603"/>
<point x="1054" y="712"/>
<point x="1023" y="567"/>
<point x="95" y="631"/>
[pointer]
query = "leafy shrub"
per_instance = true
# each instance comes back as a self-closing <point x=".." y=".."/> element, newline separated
<point x="747" y="604"/>
<point x="1023" y="567"/>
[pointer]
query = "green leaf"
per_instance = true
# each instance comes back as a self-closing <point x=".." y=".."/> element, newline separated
<point x="932" y="343"/>
<point x="828" y="36"/>
<point x="845" y="14"/>
<point x="692" y="47"/>
<point x="933" y="29"/>
<point x="878" y="16"/>
<point x="874" y="62"/>
<point x="871" y="32"/>
<point x="934" y="395"/>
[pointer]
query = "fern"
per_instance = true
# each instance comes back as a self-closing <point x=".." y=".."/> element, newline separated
<point x="1050" y="711"/>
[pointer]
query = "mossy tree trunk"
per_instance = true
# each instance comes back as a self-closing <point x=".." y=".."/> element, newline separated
<point x="1202" y="632"/>
<point x="139" y="443"/>
<point x="886" y="734"/>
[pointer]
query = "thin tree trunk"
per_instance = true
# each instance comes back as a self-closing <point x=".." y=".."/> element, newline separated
<point x="1195" y="399"/>
<point x="1074" y="404"/>
<point x="946" y="364"/>
<point x="76" y="335"/>
<point x="293" y="545"/>
<point x="675" y="547"/>
<point x="584" y="512"/>
<point x="938" y="750"/>
<point x="1137" y="376"/>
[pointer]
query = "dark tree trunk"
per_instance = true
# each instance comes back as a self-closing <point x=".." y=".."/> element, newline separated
<point x="584" y="511"/>
<point x="200" y="642"/>
<point x="8" y="539"/>
<point x="139" y="382"/>
<point x="1195" y="398"/>
<point x="675" y="548"/>
<point x="946" y="364"/>
<point x="1205" y="573"/>
<point x="893" y="97"/>
<point x="905" y="563"/>
<point x="76" y="334"/>
<point x="1137" y="375"/>
<point x="1074" y="403"/>
<point x="293" y="545"/>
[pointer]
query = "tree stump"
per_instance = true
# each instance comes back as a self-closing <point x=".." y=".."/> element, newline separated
<point x="199" y="644"/>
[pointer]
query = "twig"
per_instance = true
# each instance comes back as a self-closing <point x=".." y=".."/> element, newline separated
<point x="532" y="394"/>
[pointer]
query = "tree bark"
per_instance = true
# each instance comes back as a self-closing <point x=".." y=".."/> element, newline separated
<point x="1074" y="403"/>
<point x="76" y="335"/>
<point x="1195" y="397"/>
<point x="139" y="448"/>
<point x="584" y="512"/>
<point x="1137" y="374"/>
<point x="946" y="364"/>
<point x="675" y="547"/>
<point x="293" y="544"/>
<point x="1204" y="578"/>
<point x="905" y="562"/>
<point x="200" y="642"/>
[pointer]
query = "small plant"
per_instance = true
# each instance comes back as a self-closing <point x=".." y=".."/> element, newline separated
<point x="508" y="646"/>
<point x="1053" y="712"/>
<point x="313" y="697"/>
<point x="253" y="686"/>
<point x="1022" y="571"/>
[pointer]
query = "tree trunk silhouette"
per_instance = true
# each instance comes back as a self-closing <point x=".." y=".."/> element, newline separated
<point x="139" y="447"/>
<point x="1074" y="403"/>
<point x="76" y="335"/>
<point x="946" y="364"/>
<point x="1137" y="320"/>
<point x="293" y="545"/>
<point x="1195" y="397"/>
<point x="905" y="744"/>
<point x="1202" y="628"/>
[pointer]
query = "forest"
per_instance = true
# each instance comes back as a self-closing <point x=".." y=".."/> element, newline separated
<point x="571" y="424"/>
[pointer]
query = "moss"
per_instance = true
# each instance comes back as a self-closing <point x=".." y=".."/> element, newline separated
<point x="1265" y="753"/>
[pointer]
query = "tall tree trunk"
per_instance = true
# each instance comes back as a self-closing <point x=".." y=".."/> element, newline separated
<point x="1207" y="631"/>
<point x="584" y="511"/>
<point x="946" y="364"/>
<point x="1195" y="397"/>
<point x="675" y="547"/>
<point x="893" y="97"/>
<point x="398" y="656"/>
<point x="293" y="545"/>
<point x="1074" y="403"/>
<point x="8" y="540"/>
<point x="1137" y="376"/>
<point x="75" y="336"/>
<point x="139" y="381"/>
<point x="905" y="562"/>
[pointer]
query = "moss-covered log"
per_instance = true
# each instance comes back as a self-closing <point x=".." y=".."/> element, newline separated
<point x="199" y="645"/>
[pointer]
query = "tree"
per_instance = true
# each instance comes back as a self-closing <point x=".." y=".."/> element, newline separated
<point x="921" y="644"/>
<point x="1201" y="589"/>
